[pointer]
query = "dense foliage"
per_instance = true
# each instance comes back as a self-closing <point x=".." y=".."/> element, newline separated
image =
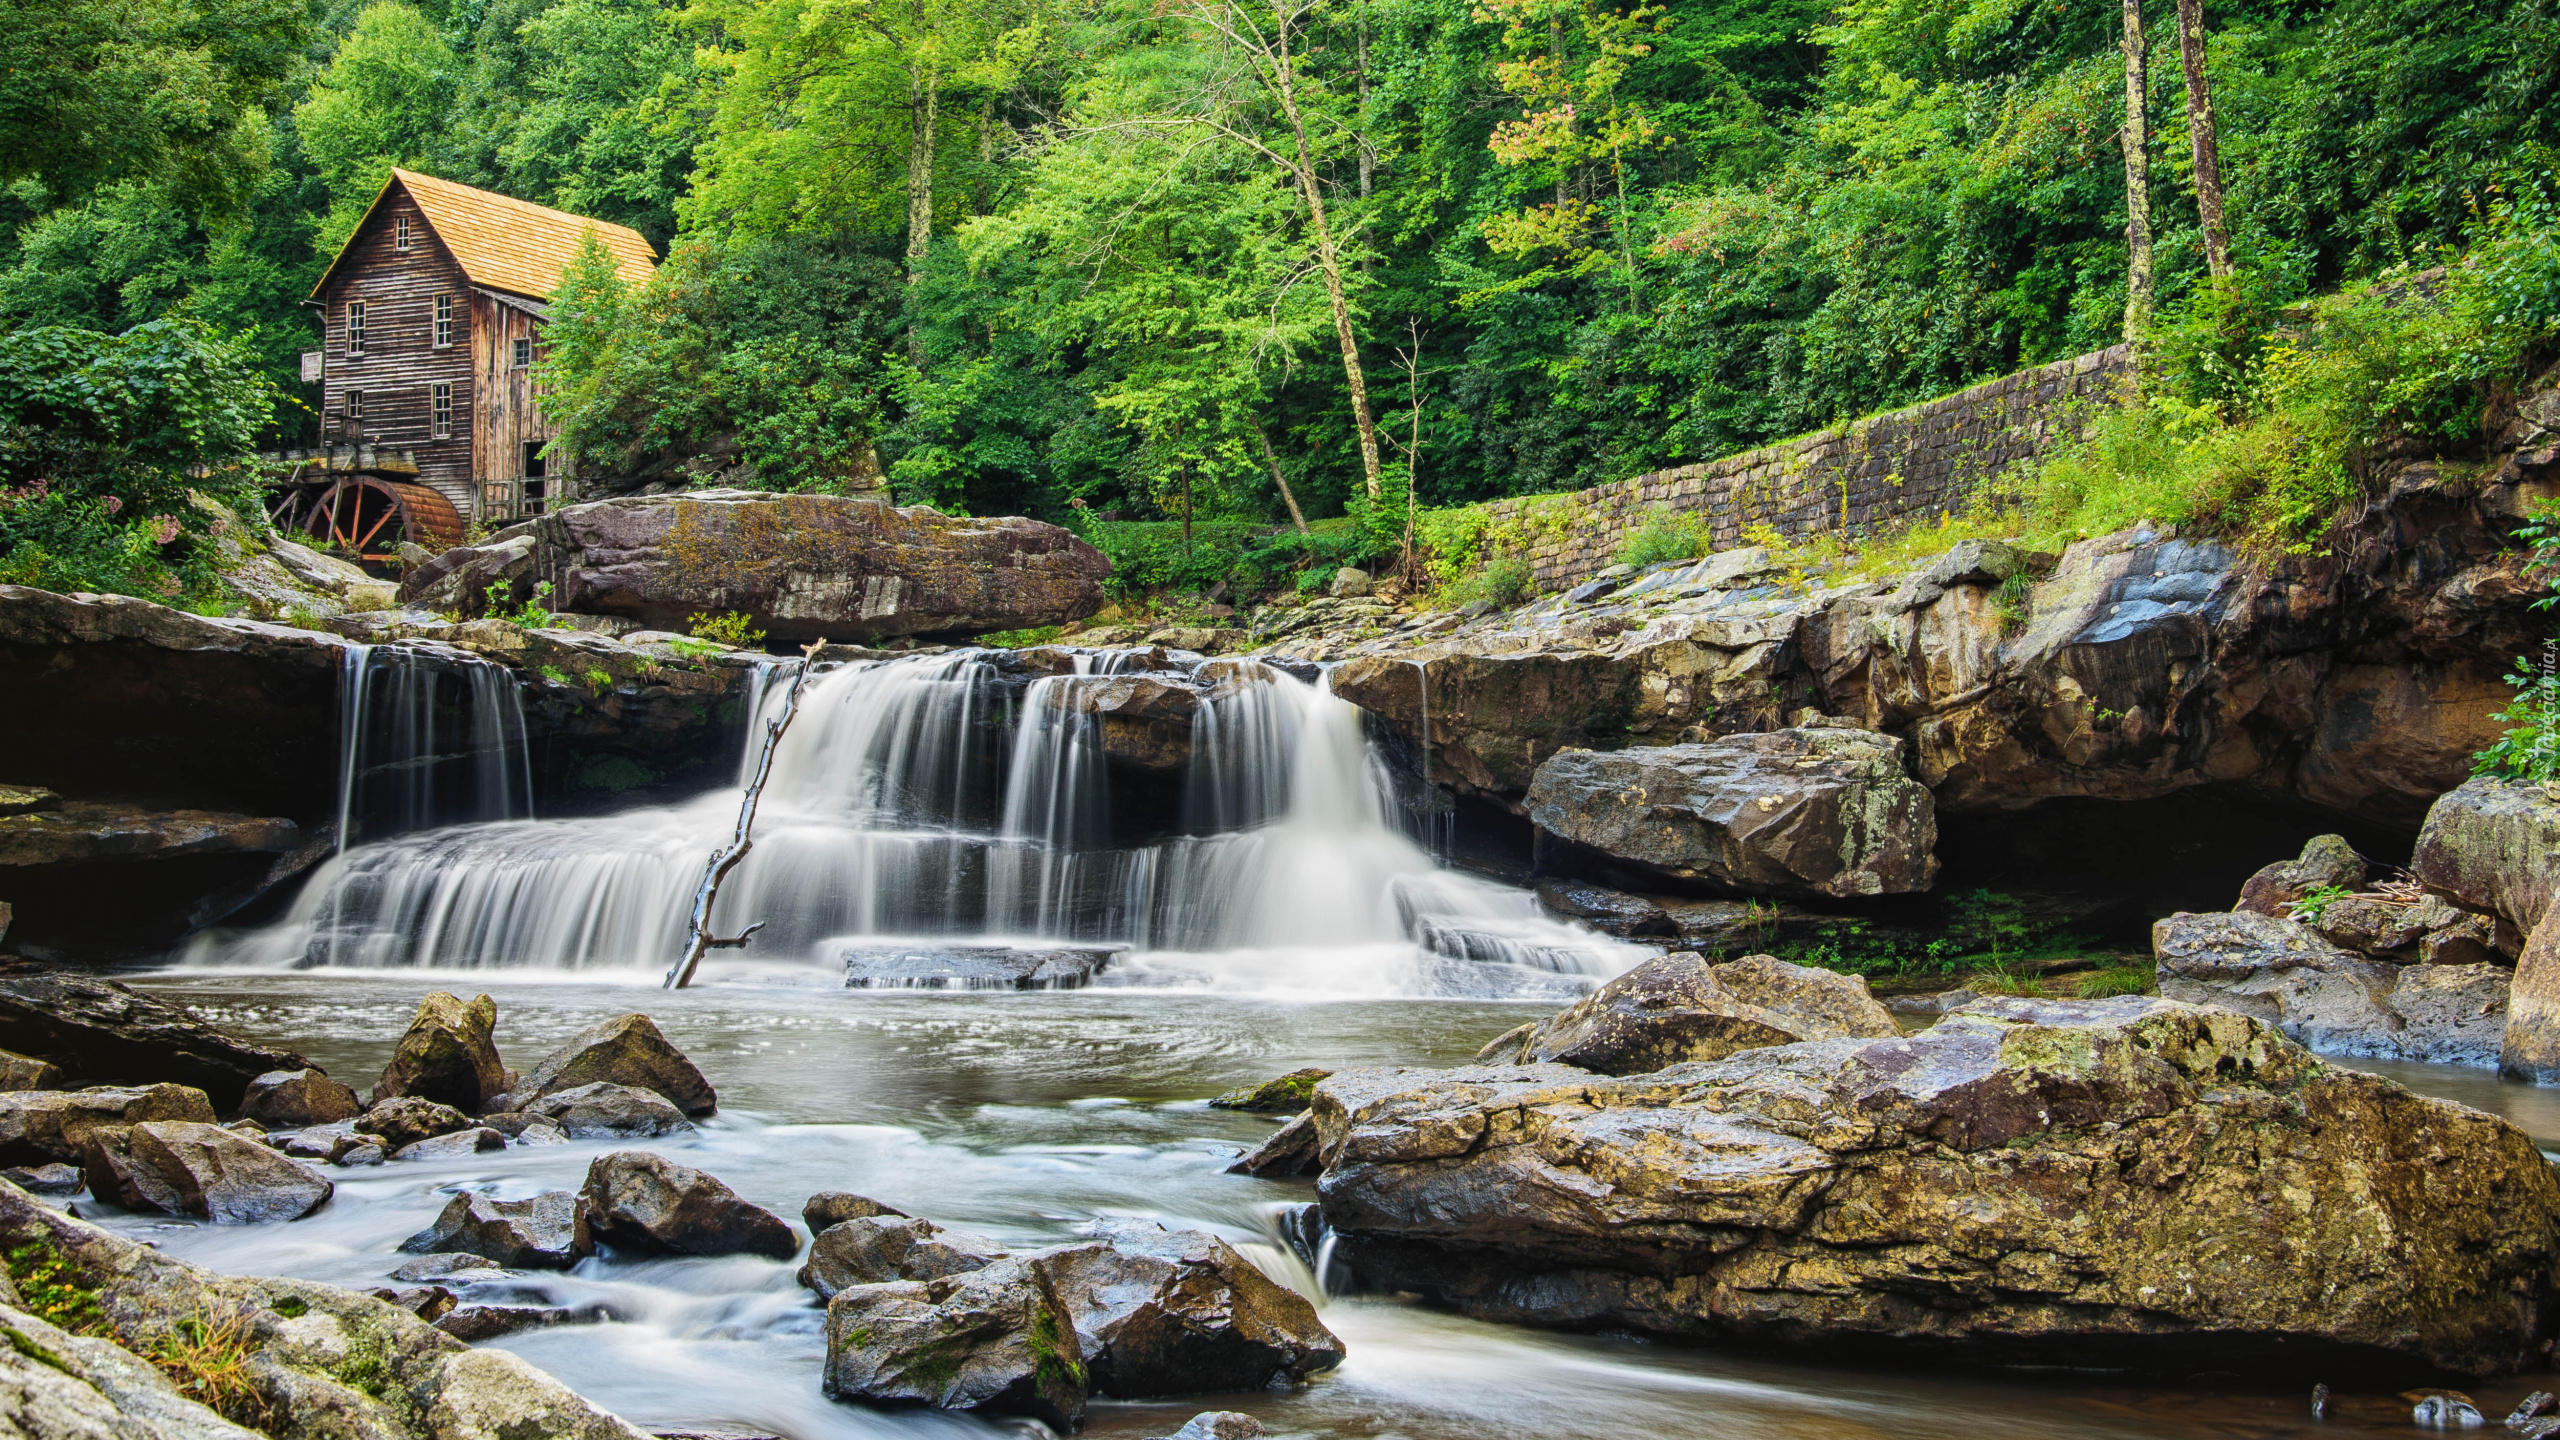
<point x="1149" y="263"/>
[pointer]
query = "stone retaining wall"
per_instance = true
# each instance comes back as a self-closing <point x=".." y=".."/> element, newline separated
<point x="1923" y="461"/>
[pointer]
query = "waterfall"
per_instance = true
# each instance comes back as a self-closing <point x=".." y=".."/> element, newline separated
<point x="953" y="796"/>
<point x="427" y="739"/>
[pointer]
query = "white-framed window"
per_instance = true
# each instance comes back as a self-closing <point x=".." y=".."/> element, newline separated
<point x="400" y="234"/>
<point x="355" y="408"/>
<point x="444" y="321"/>
<point x="523" y="353"/>
<point x="355" y="327"/>
<point x="440" y="405"/>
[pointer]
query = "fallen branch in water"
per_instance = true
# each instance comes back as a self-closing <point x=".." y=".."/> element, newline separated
<point x="725" y="860"/>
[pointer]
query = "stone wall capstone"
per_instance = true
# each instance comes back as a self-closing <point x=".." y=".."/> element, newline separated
<point x="1924" y="461"/>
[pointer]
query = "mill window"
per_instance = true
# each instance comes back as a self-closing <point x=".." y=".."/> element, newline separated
<point x="355" y="327"/>
<point x="442" y="407"/>
<point x="444" y="321"/>
<point x="523" y="353"/>
<point x="355" y="408"/>
<point x="400" y="234"/>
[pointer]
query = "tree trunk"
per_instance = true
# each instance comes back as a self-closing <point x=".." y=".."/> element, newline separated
<point x="2137" y="179"/>
<point x="1272" y="461"/>
<point x="1312" y="190"/>
<point x="924" y="98"/>
<point x="2217" y="235"/>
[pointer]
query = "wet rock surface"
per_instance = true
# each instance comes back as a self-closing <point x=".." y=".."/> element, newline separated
<point x="829" y="1208"/>
<point x="1818" y="812"/>
<point x="625" y="1050"/>
<point x="39" y="1126"/>
<point x="2007" y="1185"/>
<point x="407" y="1119"/>
<point x="1677" y="1008"/>
<point x="1178" y="1312"/>
<point x="449" y="1055"/>
<point x="804" y="567"/>
<point x="98" y="1030"/>
<point x="544" y="1232"/>
<point x="1286" y="1095"/>
<point x="298" y="1098"/>
<point x="640" y="1201"/>
<point x="605" y="1110"/>
<point x="874" y="1249"/>
<point x="2332" y="1000"/>
<point x="997" y="1341"/>
<point x="187" y="1168"/>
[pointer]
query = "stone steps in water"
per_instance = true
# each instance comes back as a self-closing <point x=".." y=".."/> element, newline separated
<point x="877" y="965"/>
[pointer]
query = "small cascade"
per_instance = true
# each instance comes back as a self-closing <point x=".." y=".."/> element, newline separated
<point x="426" y="740"/>
<point x="934" y="801"/>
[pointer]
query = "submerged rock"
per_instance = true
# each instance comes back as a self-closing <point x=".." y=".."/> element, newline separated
<point x="1680" y="1007"/>
<point x="1179" y="1312"/>
<point x="625" y="1050"/>
<point x="872" y="1249"/>
<point x="995" y="1341"/>
<point x="607" y="1110"/>
<point x="298" y="1098"/>
<point x="547" y="1232"/>
<point x="646" y="1202"/>
<point x="98" y="1030"/>
<point x="457" y="1145"/>
<point x="37" y="1126"/>
<point x="1823" y="812"/>
<point x="1287" y="1095"/>
<point x="449" y="1054"/>
<point x="874" y="966"/>
<point x="475" y="1323"/>
<point x="829" y="1208"/>
<point x="2337" y="1003"/>
<point x="2013" y="1184"/>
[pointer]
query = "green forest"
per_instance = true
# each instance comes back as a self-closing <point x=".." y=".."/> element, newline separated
<point x="1227" y="259"/>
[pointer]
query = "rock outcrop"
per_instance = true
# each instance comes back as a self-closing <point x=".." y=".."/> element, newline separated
<point x="316" y="1360"/>
<point x="2490" y="844"/>
<point x="97" y="1030"/>
<point x="625" y="1050"/>
<point x="1677" y="1008"/>
<point x="1813" y="812"/>
<point x="2327" y="861"/>
<point x="2334" y="1001"/>
<point x="639" y="1201"/>
<point x="449" y="1054"/>
<point x="804" y="567"/>
<point x="2134" y="1181"/>
<point x="37" y="1126"/>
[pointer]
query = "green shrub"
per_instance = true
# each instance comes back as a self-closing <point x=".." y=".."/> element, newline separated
<point x="2312" y="906"/>
<point x="1019" y="639"/>
<point x="1504" y="581"/>
<point x="1663" y="536"/>
<point x="728" y="629"/>
<point x="2116" y="980"/>
<point x="533" y="614"/>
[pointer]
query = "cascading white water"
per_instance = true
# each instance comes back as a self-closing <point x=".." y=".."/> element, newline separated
<point x="937" y="797"/>
<point x="427" y="740"/>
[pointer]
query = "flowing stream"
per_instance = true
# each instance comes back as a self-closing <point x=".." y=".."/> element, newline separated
<point x="1283" y="916"/>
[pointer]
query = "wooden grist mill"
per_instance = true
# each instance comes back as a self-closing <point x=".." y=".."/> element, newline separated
<point x="366" y="516"/>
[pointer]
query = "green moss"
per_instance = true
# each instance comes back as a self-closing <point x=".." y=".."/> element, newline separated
<point x="1049" y="1357"/>
<point x="367" y="1367"/>
<point x="53" y="1290"/>
<point x="291" y="1307"/>
<point x="25" y="1345"/>
<point x="611" y="774"/>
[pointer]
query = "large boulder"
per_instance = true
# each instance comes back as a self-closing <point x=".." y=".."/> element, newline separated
<point x="1681" y="1007"/>
<point x="804" y="567"/>
<point x="546" y="1232"/>
<point x="2136" y="1180"/>
<point x="314" y="1360"/>
<point x="645" y="1202"/>
<point x="1179" y="1312"/>
<point x="37" y="1126"/>
<point x="408" y="1119"/>
<point x="2327" y="861"/>
<point x="449" y="1054"/>
<point x="996" y="1341"/>
<point x="2334" y="1001"/>
<point x="98" y="1030"/>
<point x="2488" y="843"/>
<point x="873" y="1249"/>
<point x="625" y="1050"/>
<point x="186" y="1167"/>
<point x="1819" y="812"/>
<point x="293" y="1099"/>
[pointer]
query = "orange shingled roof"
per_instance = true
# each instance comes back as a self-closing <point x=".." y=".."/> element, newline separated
<point x="505" y="243"/>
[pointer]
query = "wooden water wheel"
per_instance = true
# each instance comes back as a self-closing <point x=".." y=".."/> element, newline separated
<point x="367" y="515"/>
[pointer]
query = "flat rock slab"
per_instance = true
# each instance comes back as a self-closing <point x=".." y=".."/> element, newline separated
<point x="876" y="966"/>
<point x="106" y="830"/>
<point x="99" y="1030"/>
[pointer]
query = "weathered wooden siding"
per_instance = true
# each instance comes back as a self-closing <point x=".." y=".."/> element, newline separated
<point x="401" y="363"/>
<point x="508" y="418"/>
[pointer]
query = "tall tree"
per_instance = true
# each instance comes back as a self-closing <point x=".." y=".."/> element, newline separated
<point x="2217" y="234"/>
<point x="2137" y="177"/>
